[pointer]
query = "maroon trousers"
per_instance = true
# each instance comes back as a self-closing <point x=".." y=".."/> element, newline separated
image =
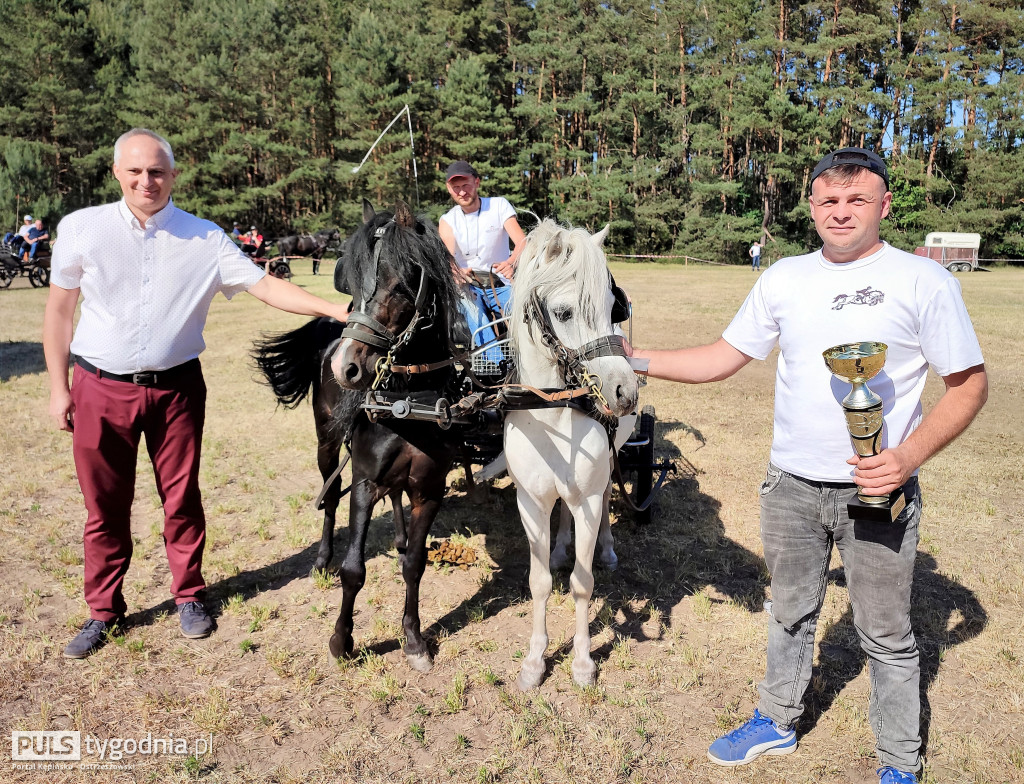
<point x="110" y="418"/>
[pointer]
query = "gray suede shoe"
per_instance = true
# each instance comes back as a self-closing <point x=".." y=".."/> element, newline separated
<point x="196" y="623"/>
<point x="94" y="635"/>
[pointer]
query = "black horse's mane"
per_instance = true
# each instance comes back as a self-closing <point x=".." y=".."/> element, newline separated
<point x="405" y="249"/>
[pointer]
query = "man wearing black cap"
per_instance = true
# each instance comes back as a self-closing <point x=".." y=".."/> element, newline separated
<point x="477" y="232"/>
<point x="855" y="288"/>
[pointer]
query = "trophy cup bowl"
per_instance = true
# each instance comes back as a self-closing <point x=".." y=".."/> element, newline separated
<point x="856" y="364"/>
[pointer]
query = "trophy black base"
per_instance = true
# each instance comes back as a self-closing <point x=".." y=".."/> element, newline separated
<point x="878" y="513"/>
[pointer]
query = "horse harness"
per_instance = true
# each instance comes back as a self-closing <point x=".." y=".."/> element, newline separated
<point x="583" y="391"/>
<point x="375" y="334"/>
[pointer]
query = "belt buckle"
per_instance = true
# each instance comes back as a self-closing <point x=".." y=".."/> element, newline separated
<point x="147" y="378"/>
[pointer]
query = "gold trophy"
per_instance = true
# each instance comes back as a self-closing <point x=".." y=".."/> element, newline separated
<point x="857" y="363"/>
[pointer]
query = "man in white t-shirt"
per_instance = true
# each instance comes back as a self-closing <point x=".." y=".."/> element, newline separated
<point x="477" y="232"/>
<point x="856" y="288"/>
<point x="755" y="255"/>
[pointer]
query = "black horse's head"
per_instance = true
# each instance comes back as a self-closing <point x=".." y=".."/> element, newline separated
<point x="404" y="296"/>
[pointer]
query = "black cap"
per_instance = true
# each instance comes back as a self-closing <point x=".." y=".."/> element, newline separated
<point x="460" y="169"/>
<point x="852" y="156"/>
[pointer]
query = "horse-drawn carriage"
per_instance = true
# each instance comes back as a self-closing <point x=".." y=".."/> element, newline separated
<point x="403" y="390"/>
<point x="291" y="247"/>
<point x="37" y="270"/>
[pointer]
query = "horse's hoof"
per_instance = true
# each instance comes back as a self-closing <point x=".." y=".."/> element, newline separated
<point x="421" y="662"/>
<point x="610" y="561"/>
<point x="529" y="679"/>
<point x="584" y="673"/>
<point x="338" y="647"/>
<point x="319" y="565"/>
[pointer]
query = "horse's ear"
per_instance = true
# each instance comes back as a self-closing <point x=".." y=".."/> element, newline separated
<point x="602" y="235"/>
<point x="403" y="215"/>
<point x="554" y="248"/>
<point x="368" y="213"/>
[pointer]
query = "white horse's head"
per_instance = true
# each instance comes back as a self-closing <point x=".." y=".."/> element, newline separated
<point x="562" y="286"/>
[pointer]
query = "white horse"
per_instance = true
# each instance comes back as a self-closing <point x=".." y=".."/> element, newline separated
<point x="563" y="300"/>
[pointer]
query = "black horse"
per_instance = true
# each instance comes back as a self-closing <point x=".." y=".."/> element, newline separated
<point x="398" y="272"/>
<point x="314" y="245"/>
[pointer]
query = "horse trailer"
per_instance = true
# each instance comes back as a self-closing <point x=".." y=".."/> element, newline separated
<point x="956" y="251"/>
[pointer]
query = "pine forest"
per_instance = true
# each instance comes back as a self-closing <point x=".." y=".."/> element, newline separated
<point x="691" y="126"/>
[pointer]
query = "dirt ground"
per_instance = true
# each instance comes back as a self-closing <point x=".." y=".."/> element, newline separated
<point x="679" y="630"/>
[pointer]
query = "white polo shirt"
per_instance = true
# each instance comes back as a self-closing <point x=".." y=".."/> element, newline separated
<point x="146" y="292"/>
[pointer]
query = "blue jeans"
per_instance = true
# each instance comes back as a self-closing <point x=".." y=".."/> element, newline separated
<point x="481" y="306"/>
<point x="755" y="262"/>
<point x="800" y="521"/>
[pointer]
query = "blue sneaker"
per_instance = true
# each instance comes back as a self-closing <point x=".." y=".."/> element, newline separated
<point x="196" y="623"/>
<point x="889" y="775"/>
<point x="745" y="744"/>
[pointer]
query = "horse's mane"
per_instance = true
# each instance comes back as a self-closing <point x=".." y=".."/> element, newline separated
<point x="554" y="257"/>
<point x="404" y="249"/>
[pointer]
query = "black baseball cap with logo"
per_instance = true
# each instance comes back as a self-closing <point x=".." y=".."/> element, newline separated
<point x="459" y="169"/>
<point x="852" y="156"/>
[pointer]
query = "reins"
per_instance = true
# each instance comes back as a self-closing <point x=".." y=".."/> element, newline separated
<point x="582" y="392"/>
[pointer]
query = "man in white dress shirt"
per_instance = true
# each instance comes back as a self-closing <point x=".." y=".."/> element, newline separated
<point x="477" y="232"/>
<point x="146" y="272"/>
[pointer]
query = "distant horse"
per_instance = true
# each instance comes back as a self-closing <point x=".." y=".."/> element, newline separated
<point x="562" y="332"/>
<point x="314" y="245"/>
<point x="399" y="275"/>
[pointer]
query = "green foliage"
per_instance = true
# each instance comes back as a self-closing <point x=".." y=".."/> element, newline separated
<point x="691" y="128"/>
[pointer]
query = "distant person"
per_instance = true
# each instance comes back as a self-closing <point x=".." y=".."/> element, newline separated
<point x="236" y="233"/>
<point x="36" y="242"/>
<point x="477" y="232"/>
<point x="146" y="272"/>
<point x="252" y="243"/>
<point x="813" y="471"/>
<point x="755" y="255"/>
<point x="16" y="240"/>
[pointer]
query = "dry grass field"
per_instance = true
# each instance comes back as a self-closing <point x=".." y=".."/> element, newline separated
<point x="679" y="632"/>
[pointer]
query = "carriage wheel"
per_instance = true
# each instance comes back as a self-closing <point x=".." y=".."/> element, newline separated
<point x="645" y="465"/>
<point x="6" y="277"/>
<point x="636" y="461"/>
<point x="282" y="270"/>
<point x="39" y="277"/>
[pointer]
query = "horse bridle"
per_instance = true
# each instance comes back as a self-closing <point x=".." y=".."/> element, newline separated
<point x="375" y="334"/>
<point x="571" y="361"/>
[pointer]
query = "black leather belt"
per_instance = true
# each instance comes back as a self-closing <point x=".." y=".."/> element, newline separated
<point x="145" y="378"/>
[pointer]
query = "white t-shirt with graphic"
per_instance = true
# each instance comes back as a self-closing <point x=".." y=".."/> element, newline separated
<point x="806" y="305"/>
<point x="480" y="237"/>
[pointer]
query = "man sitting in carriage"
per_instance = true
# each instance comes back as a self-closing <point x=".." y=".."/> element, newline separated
<point x="477" y="232"/>
<point x="37" y="241"/>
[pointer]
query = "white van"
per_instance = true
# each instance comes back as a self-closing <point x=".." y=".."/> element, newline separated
<point x="956" y="251"/>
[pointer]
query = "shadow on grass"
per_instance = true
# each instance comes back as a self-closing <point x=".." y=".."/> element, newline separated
<point x="274" y="576"/>
<point x="20" y="358"/>
<point x="936" y="600"/>
<point x="682" y="551"/>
